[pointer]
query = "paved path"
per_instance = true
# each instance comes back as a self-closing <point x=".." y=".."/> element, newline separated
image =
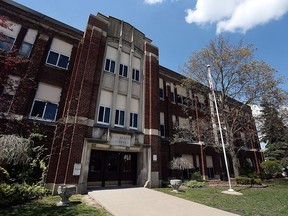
<point x="148" y="202"/>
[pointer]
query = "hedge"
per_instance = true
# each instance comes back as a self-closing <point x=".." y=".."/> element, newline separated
<point x="248" y="181"/>
<point x="13" y="194"/>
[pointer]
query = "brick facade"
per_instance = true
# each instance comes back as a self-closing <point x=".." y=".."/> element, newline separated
<point x="76" y="131"/>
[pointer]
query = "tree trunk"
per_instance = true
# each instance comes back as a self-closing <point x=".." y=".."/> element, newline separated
<point x="235" y="163"/>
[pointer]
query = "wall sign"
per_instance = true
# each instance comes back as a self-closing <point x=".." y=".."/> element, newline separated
<point x="76" y="169"/>
<point x="120" y="139"/>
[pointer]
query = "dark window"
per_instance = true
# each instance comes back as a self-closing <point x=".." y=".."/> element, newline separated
<point x="162" y="130"/>
<point x="133" y="120"/>
<point x="25" y="49"/>
<point x="136" y="75"/>
<point x="6" y="42"/>
<point x="104" y="115"/>
<point x="119" y="118"/>
<point x="161" y="93"/>
<point x="110" y="65"/>
<point x="44" y="110"/>
<point x="123" y="71"/>
<point x="173" y="97"/>
<point x="58" y="60"/>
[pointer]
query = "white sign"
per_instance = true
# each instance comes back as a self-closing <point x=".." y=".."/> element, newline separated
<point x="154" y="157"/>
<point x="120" y="140"/>
<point x="77" y="169"/>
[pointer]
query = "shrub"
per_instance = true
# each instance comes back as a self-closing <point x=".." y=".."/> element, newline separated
<point x="271" y="168"/>
<point x="197" y="176"/>
<point x="195" y="184"/>
<point x="13" y="194"/>
<point x="244" y="180"/>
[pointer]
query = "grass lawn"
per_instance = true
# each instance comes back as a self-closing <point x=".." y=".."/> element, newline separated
<point x="272" y="200"/>
<point x="47" y="206"/>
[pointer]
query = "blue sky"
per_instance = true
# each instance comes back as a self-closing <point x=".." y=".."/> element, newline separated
<point x="179" y="27"/>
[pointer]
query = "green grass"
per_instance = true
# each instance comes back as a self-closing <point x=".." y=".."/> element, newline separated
<point x="47" y="206"/>
<point x="272" y="200"/>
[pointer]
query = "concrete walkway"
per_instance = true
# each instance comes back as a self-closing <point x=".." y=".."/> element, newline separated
<point x="148" y="202"/>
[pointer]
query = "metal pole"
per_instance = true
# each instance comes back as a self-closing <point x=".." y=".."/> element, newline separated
<point x="220" y="128"/>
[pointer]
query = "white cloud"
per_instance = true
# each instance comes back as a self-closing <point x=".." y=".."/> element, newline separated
<point x="236" y="15"/>
<point x="151" y="2"/>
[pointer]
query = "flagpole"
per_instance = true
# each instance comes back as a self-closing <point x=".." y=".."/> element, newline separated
<point x="220" y="128"/>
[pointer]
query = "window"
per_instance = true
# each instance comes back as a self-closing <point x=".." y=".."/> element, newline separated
<point x="110" y="65"/>
<point x="104" y="115"/>
<point x="173" y="99"/>
<point x="162" y="124"/>
<point x="44" y="110"/>
<point x="181" y="100"/>
<point x="161" y="93"/>
<point x="57" y="59"/>
<point x="119" y="118"/>
<point x="25" y="49"/>
<point x="6" y="42"/>
<point x="202" y="107"/>
<point x="134" y="120"/>
<point x="162" y="130"/>
<point x="136" y="75"/>
<point x="46" y="102"/>
<point x="59" y="54"/>
<point x="123" y="70"/>
<point x="8" y="93"/>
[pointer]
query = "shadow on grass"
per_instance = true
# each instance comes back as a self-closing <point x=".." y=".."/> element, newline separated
<point x="43" y="209"/>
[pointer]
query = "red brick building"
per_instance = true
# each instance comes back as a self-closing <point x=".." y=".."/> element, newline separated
<point x="107" y="106"/>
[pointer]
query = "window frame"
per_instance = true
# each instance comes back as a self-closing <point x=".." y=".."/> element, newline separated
<point x="31" y="47"/>
<point x="45" y="108"/>
<point x="104" y="114"/>
<point x="4" y="37"/>
<point x="118" y="120"/>
<point x="135" y="72"/>
<point x="132" y="122"/>
<point x="110" y="65"/>
<point x="58" y="58"/>
<point x="122" y="70"/>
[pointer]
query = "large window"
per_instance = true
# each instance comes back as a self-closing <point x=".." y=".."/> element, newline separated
<point x="59" y="54"/>
<point x="8" y="35"/>
<point x="58" y="59"/>
<point x="6" y="42"/>
<point x="123" y="70"/>
<point x="134" y="120"/>
<point x="45" y="105"/>
<point x="136" y="74"/>
<point x="27" y="43"/>
<point x="119" y="118"/>
<point x="104" y="115"/>
<point x="44" y="110"/>
<point x="25" y="49"/>
<point x="110" y="65"/>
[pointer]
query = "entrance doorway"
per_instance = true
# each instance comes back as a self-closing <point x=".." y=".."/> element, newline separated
<point x="112" y="168"/>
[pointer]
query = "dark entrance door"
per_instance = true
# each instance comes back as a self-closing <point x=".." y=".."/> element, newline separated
<point x="112" y="168"/>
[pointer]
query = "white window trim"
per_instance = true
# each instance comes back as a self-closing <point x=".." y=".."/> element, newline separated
<point x="133" y="113"/>
<point x="123" y="66"/>
<point x="102" y="122"/>
<point x="43" y="119"/>
<point x="119" y="125"/>
<point x="57" y="60"/>
<point x="110" y="65"/>
<point x="134" y="70"/>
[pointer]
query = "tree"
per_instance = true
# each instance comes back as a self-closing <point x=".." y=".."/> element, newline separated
<point x="239" y="80"/>
<point x="273" y="127"/>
